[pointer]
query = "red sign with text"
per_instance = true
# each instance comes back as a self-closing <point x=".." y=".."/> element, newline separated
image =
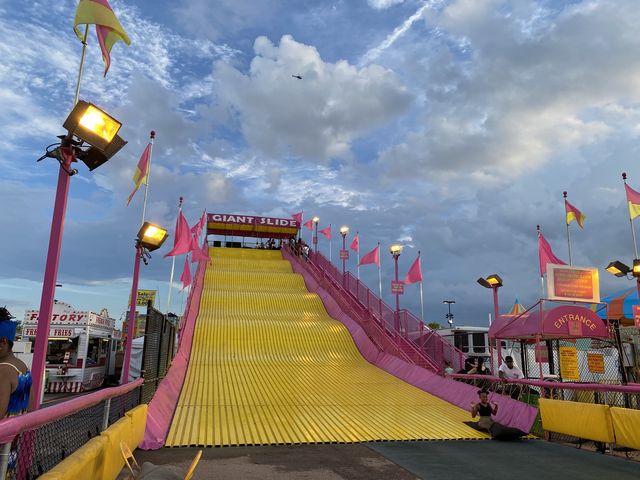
<point x="397" y="288"/>
<point x="573" y="283"/>
<point x="344" y="254"/>
<point x="636" y="315"/>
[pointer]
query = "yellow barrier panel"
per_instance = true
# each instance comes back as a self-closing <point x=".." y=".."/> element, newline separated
<point x="626" y="424"/>
<point x="269" y="366"/>
<point x="86" y="462"/>
<point x="581" y="420"/>
<point x="138" y="418"/>
<point x="112" y="457"/>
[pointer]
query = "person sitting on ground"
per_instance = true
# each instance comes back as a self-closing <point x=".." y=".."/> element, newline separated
<point x="484" y="409"/>
<point x="15" y="377"/>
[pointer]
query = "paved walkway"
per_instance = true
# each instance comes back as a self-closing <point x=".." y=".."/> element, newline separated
<point x="460" y="460"/>
<point x="522" y="460"/>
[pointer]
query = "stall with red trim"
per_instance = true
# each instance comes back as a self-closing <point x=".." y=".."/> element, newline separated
<point x="81" y="350"/>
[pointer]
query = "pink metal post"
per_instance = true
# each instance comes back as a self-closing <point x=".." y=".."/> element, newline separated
<point x="49" y="282"/>
<point x="496" y="312"/>
<point x="315" y="243"/>
<point x="397" y="315"/>
<point x="132" y="317"/>
<point x="344" y="260"/>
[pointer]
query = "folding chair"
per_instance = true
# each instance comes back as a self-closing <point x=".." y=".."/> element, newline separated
<point x="127" y="454"/>
<point x="192" y="467"/>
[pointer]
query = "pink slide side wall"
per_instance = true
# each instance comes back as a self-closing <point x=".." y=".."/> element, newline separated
<point x="510" y="412"/>
<point x="163" y="404"/>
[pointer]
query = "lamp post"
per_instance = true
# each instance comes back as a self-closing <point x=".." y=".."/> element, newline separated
<point x="494" y="282"/>
<point x="150" y="238"/>
<point x="449" y="316"/>
<point x="395" y="251"/>
<point x="316" y="220"/>
<point x="85" y="124"/>
<point x="344" y="253"/>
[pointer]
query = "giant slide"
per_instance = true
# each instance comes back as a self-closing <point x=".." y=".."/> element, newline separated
<point x="268" y="366"/>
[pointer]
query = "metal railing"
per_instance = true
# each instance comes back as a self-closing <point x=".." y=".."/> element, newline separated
<point x="34" y="443"/>
<point x="400" y="333"/>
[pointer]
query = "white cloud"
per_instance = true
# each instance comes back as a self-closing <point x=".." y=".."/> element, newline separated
<point x="383" y="4"/>
<point x="317" y="117"/>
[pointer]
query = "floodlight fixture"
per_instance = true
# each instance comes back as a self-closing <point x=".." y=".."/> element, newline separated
<point x="636" y="268"/>
<point x="344" y="230"/>
<point x="315" y="219"/>
<point x="92" y="125"/>
<point x="619" y="269"/>
<point x="395" y="250"/>
<point x="151" y="237"/>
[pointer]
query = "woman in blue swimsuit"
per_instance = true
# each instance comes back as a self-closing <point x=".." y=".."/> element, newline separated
<point x="15" y="377"/>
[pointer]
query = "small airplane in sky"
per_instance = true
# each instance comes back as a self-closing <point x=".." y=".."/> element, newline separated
<point x="299" y="77"/>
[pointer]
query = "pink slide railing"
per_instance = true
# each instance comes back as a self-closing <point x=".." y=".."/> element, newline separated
<point x="394" y="332"/>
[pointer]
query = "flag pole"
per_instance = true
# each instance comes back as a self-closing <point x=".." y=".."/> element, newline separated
<point x="358" y="254"/>
<point x="379" y="271"/>
<point x="152" y="136"/>
<point x="421" y="293"/>
<point x="330" y="243"/>
<point x="633" y="231"/>
<point x="564" y="194"/>
<point x="82" y="56"/>
<point x="541" y="274"/>
<point x="173" y="265"/>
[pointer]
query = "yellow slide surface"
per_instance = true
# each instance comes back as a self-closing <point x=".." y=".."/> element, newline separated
<point x="269" y="366"/>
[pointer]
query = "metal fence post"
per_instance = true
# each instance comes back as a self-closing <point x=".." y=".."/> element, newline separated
<point x="105" y="415"/>
<point x="4" y="459"/>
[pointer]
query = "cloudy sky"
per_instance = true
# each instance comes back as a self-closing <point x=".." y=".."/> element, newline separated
<point x="450" y="126"/>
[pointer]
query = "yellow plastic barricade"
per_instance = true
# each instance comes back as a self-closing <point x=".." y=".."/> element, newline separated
<point x="138" y="418"/>
<point x="581" y="420"/>
<point x="86" y="462"/>
<point x="626" y="424"/>
<point x="112" y="457"/>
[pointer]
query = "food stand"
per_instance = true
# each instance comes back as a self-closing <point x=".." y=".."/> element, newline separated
<point x="81" y="348"/>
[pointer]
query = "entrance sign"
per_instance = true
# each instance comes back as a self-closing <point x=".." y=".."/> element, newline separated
<point x="397" y="287"/>
<point x="576" y="284"/>
<point x="595" y="362"/>
<point x="344" y="254"/>
<point x="569" y="369"/>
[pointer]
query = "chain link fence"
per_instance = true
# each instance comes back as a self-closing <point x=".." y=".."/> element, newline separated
<point x="36" y="451"/>
<point x="157" y="351"/>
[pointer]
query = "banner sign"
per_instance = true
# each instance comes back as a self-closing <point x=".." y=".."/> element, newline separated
<point x="144" y="296"/>
<point x="542" y="353"/>
<point x="72" y="318"/>
<point x="595" y="362"/>
<point x="251" y="220"/>
<point x="576" y="284"/>
<point x="344" y="254"/>
<point x="569" y="368"/>
<point x="397" y="287"/>
<point x="636" y="315"/>
<point x="53" y="332"/>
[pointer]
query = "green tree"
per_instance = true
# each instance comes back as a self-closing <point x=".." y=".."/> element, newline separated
<point x="434" y="326"/>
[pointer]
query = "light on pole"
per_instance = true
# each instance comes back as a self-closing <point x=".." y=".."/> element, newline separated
<point x="396" y="288"/>
<point x="449" y="316"/>
<point x="344" y="253"/>
<point x="150" y="238"/>
<point x="494" y="282"/>
<point x="92" y="138"/>
<point x="316" y="221"/>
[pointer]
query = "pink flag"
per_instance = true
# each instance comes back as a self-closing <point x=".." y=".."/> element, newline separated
<point x="298" y="218"/>
<point x="326" y="232"/>
<point x="355" y="243"/>
<point x="186" y="274"/>
<point x="309" y="224"/>
<point x="414" y="275"/>
<point x="197" y="228"/>
<point x="198" y="253"/>
<point x="372" y="257"/>
<point x="182" y="239"/>
<point x="546" y="254"/>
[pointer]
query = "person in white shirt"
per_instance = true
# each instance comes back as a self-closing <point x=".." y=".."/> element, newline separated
<point x="509" y="370"/>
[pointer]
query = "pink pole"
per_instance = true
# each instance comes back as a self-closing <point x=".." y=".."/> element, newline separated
<point x="49" y="282"/>
<point x="397" y="319"/>
<point x="124" y="378"/>
<point x="496" y="313"/>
